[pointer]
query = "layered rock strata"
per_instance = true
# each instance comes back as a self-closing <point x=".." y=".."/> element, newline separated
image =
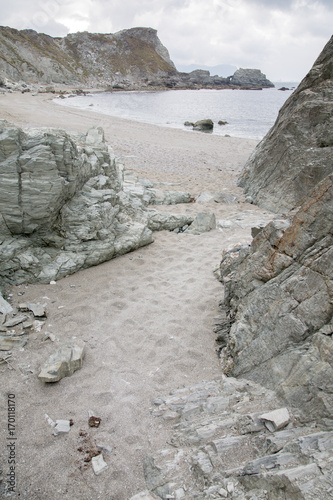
<point x="297" y="152"/>
<point x="64" y="205"/>
<point x="278" y="300"/>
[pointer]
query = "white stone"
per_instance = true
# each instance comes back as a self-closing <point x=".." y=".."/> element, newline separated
<point x="61" y="426"/>
<point x="275" y="420"/>
<point x="5" y="307"/>
<point x="99" y="465"/>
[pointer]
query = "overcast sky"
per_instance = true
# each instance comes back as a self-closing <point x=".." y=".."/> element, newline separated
<point x="281" y="37"/>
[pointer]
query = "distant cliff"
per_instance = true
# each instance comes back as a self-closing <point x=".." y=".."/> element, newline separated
<point x="128" y="57"/>
<point x="132" y="58"/>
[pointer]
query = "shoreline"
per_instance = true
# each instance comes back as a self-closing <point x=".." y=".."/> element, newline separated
<point x="151" y="150"/>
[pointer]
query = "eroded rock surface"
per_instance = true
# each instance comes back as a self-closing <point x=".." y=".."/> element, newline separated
<point x="297" y="152"/>
<point x="278" y="299"/>
<point x="221" y="447"/>
<point x="64" y="205"/>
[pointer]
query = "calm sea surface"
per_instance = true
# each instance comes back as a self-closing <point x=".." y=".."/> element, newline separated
<point x="249" y="113"/>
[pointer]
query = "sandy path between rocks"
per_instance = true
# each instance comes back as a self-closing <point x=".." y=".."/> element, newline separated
<point x="146" y="317"/>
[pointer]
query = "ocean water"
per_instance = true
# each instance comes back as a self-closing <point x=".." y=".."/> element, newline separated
<point x="249" y="113"/>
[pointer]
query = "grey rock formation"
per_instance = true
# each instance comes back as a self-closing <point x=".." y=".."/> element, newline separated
<point x="278" y="297"/>
<point x="297" y="152"/>
<point x="220" y="447"/>
<point x="62" y="207"/>
<point x="251" y="78"/>
<point x="128" y="57"/>
<point x="131" y="58"/>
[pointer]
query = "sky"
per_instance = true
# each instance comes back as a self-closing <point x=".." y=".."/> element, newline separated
<point x="282" y="38"/>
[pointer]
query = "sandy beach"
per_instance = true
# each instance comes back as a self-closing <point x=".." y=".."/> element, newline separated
<point x="146" y="318"/>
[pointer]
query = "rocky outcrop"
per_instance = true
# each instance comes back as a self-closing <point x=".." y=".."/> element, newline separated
<point x="233" y="439"/>
<point x="251" y="78"/>
<point x="278" y="299"/>
<point x="129" y="59"/>
<point x="297" y="152"/>
<point x="132" y="56"/>
<point x="64" y="205"/>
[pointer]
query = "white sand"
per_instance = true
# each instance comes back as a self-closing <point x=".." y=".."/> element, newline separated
<point x="146" y="317"/>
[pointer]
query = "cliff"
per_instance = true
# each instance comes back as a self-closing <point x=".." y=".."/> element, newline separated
<point x="129" y="56"/>
<point x="278" y="291"/>
<point x="129" y="59"/>
<point x="297" y="152"/>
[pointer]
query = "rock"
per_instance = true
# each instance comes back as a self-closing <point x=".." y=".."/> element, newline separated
<point x="61" y="427"/>
<point x="296" y="154"/>
<point x="5" y="307"/>
<point x="9" y="342"/>
<point x="202" y="223"/>
<point x="38" y="310"/>
<point x="206" y="125"/>
<point x="251" y="78"/>
<point x="63" y="363"/>
<point x="65" y="209"/>
<point x="279" y="293"/>
<point x="98" y="464"/>
<point x="159" y="221"/>
<point x="16" y="320"/>
<point x="206" y="197"/>
<point x="276" y="420"/>
<point x="39" y="58"/>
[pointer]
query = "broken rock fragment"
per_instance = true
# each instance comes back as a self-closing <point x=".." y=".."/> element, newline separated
<point x="63" y="363"/>
<point x="275" y="420"/>
<point x="98" y="464"/>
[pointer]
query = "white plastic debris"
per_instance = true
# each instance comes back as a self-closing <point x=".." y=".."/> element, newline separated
<point x="99" y="465"/>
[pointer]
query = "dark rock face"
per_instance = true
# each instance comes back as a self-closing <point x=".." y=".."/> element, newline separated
<point x="297" y="152"/>
<point x="279" y="295"/>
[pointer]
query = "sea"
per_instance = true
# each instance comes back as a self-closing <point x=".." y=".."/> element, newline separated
<point x="248" y="113"/>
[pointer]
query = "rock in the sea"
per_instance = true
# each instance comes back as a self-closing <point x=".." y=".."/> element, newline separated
<point x="297" y="152"/>
<point x="251" y="78"/>
<point x="63" y="363"/>
<point x="206" y="125"/>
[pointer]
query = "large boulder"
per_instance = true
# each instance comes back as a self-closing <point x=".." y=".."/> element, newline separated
<point x="250" y="77"/>
<point x="297" y="152"/>
<point x="62" y="205"/>
<point x="278" y="300"/>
